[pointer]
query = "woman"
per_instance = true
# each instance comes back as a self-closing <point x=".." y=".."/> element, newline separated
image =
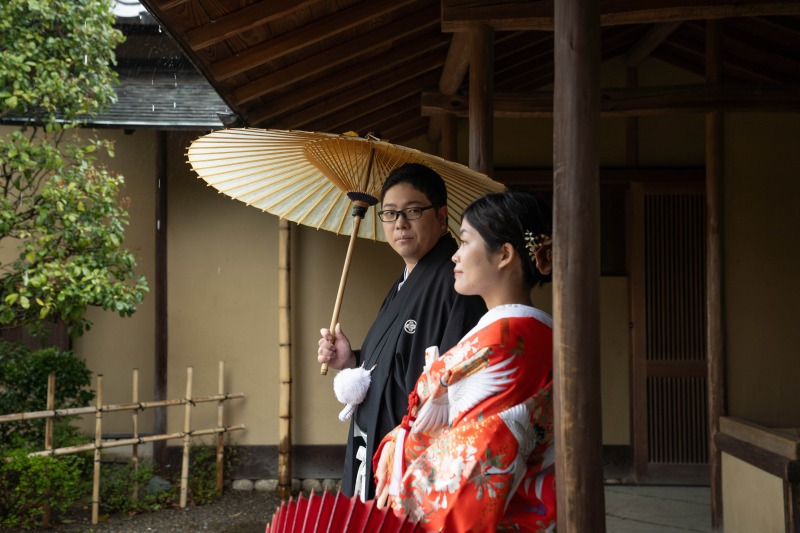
<point x="475" y="451"/>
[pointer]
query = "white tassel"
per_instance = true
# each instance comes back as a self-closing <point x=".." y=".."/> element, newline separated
<point x="351" y="386"/>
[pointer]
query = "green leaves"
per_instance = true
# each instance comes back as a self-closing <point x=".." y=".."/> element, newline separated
<point x="59" y="207"/>
<point x="57" y="56"/>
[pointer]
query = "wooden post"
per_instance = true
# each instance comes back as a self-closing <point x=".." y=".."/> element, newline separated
<point x="715" y="336"/>
<point x="285" y="354"/>
<point x="160" y="294"/>
<point x="576" y="273"/>
<point x="187" y="428"/>
<point x="481" y="99"/>
<point x="98" y="443"/>
<point x="449" y="142"/>
<point x="48" y="437"/>
<point x="220" y="424"/>
<point x="632" y="124"/>
<point x="135" y="423"/>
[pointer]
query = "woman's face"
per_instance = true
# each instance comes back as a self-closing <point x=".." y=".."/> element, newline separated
<point x="475" y="270"/>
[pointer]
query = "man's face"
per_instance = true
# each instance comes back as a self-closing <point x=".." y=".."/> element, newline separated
<point x="412" y="239"/>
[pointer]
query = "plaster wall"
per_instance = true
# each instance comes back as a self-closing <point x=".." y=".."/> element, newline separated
<point x="115" y="346"/>
<point x="752" y="500"/>
<point x="762" y="277"/>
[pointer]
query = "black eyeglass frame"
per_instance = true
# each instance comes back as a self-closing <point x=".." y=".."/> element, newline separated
<point x="405" y="213"/>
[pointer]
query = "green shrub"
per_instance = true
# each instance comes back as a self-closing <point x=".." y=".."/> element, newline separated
<point x="26" y="483"/>
<point x="118" y="483"/>
<point x="23" y="388"/>
<point x="203" y="471"/>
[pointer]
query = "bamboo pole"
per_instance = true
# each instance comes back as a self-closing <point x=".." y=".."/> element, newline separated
<point x="115" y="407"/>
<point x="48" y="438"/>
<point x="98" y="432"/>
<point x="220" y="421"/>
<point x="576" y="271"/>
<point x="116" y="443"/>
<point x="187" y="419"/>
<point x="135" y="447"/>
<point x="285" y="351"/>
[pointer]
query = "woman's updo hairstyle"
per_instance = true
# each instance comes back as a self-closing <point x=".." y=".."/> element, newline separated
<point x="515" y="217"/>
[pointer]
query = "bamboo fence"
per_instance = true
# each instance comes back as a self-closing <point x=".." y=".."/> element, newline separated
<point x="188" y="402"/>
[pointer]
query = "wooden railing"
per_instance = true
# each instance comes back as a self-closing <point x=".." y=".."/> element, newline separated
<point x="188" y="401"/>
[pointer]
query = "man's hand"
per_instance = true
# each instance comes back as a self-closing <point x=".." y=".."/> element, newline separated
<point x="335" y="350"/>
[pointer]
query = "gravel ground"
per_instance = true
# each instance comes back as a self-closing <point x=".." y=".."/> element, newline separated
<point x="234" y="512"/>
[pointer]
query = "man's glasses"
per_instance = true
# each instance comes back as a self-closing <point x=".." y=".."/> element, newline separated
<point x="410" y="213"/>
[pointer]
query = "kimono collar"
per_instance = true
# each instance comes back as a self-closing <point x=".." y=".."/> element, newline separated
<point x="511" y="311"/>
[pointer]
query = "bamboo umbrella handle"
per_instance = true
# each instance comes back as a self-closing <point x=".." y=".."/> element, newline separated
<point x="345" y="270"/>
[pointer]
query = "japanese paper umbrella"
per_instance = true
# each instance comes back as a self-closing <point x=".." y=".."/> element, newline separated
<point x="322" y="180"/>
<point x="337" y="514"/>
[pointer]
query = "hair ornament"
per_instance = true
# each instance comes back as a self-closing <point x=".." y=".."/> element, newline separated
<point x="534" y="243"/>
<point x="540" y="249"/>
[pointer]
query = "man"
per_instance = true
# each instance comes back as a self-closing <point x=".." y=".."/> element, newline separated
<point x="422" y="309"/>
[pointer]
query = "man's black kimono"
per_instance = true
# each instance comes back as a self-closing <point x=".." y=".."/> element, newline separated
<point x="427" y="311"/>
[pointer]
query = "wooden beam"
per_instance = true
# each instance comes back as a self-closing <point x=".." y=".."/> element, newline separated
<point x="456" y="64"/>
<point x="715" y="306"/>
<point x="309" y="34"/>
<point x="389" y="121"/>
<point x="689" y="44"/>
<point x="459" y="15"/>
<point x="368" y="102"/>
<point x="449" y="145"/>
<point x="366" y="73"/>
<point x="166" y="4"/>
<point x="366" y="45"/>
<point x="576" y="268"/>
<point x="632" y="123"/>
<point x="383" y="116"/>
<point x="455" y="68"/>
<point x="542" y="178"/>
<point x="392" y="83"/>
<point x="638" y="101"/>
<point x="481" y="99"/>
<point x="406" y="131"/>
<point x="241" y="21"/>
<point x="642" y="50"/>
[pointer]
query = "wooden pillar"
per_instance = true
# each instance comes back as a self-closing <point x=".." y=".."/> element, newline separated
<point x="632" y="124"/>
<point x="576" y="273"/>
<point x="481" y="99"/>
<point x="453" y="72"/>
<point x="161" y="325"/>
<point x="715" y="335"/>
<point x="449" y="143"/>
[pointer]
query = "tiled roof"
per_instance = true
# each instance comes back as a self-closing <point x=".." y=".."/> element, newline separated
<point x="163" y="99"/>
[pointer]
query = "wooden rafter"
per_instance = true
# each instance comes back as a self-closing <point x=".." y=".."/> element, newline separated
<point x="302" y="37"/>
<point x="362" y="46"/>
<point x="241" y="21"/>
<point x="637" y="101"/>
<point x="366" y="101"/>
<point x="642" y="49"/>
<point x="458" y="15"/>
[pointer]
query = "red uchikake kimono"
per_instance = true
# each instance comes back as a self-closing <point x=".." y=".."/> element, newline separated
<point x="478" y="454"/>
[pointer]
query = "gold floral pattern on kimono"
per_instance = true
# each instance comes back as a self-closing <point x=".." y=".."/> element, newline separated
<point x="478" y="446"/>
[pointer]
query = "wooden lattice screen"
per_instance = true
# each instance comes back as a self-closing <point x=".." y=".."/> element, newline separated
<point x="674" y="291"/>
